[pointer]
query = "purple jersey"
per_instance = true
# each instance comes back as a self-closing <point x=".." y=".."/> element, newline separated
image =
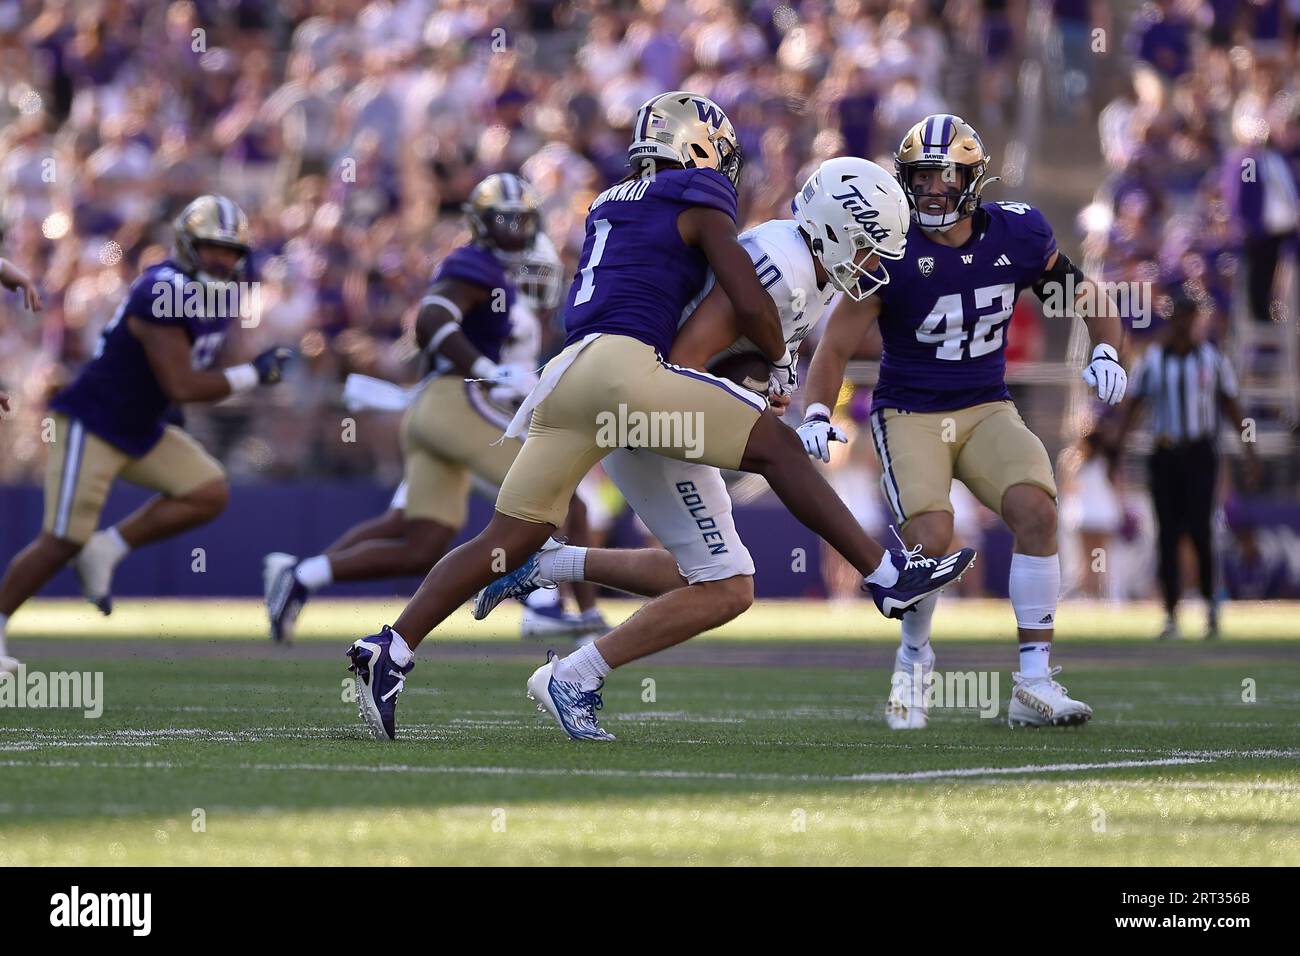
<point x="944" y="313"/>
<point x="486" y="325"/>
<point x="116" y="396"/>
<point x="636" y="277"/>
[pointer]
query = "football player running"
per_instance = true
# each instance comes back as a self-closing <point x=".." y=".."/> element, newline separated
<point x="651" y="241"/>
<point x="941" y="409"/>
<point x="465" y="326"/>
<point x="848" y="216"/>
<point x="112" y="422"/>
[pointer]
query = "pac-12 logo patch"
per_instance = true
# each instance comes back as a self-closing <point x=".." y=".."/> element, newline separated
<point x="925" y="264"/>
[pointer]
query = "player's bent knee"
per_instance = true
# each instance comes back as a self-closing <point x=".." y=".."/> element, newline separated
<point x="211" y="499"/>
<point x="1030" y="513"/>
<point x="731" y="597"/>
<point x="932" y="530"/>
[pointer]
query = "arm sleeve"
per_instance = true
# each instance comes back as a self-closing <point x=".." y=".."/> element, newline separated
<point x="1039" y="236"/>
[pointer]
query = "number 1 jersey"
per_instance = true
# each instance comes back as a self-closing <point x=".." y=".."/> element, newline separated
<point x="945" y="311"/>
<point x="636" y="277"/>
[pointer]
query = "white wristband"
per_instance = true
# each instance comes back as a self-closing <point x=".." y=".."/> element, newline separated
<point x="242" y="378"/>
<point x="483" y="367"/>
<point x="816" y="408"/>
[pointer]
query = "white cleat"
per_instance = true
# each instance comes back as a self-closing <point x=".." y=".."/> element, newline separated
<point x="272" y="565"/>
<point x="573" y="708"/>
<point x="1042" y="702"/>
<point x="94" y="565"/>
<point x="907" y="708"/>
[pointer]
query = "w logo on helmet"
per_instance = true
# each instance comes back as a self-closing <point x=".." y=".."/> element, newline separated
<point x="709" y="113"/>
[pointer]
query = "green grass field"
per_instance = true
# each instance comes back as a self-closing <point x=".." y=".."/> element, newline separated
<point x="761" y="744"/>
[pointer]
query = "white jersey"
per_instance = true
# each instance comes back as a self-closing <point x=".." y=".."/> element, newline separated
<point x="686" y="504"/>
<point x="787" y="271"/>
<point x="525" y="342"/>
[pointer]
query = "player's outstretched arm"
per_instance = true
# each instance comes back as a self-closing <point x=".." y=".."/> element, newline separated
<point x="756" y="314"/>
<point x="438" y="333"/>
<point x="1104" y="371"/>
<point x="844" y="331"/>
<point x="437" y="326"/>
<point x="14" y="278"/>
<point x="168" y="350"/>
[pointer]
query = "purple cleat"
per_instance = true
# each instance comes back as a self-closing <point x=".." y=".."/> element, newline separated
<point x="918" y="578"/>
<point x="379" y="681"/>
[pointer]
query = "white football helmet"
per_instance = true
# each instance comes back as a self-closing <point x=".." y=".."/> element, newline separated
<point x="849" y="205"/>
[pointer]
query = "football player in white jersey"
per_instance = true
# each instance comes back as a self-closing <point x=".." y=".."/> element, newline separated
<point x="850" y="216"/>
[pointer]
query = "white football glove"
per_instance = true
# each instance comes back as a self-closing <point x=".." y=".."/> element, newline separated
<point x="817" y="433"/>
<point x="509" y="385"/>
<point x="1106" y="375"/>
<point x="784" y="377"/>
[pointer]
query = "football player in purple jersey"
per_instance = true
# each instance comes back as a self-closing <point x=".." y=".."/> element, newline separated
<point x="651" y="241"/>
<point x="941" y="409"/>
<point x="451" y="428"/>
<point x="114" y="421"/>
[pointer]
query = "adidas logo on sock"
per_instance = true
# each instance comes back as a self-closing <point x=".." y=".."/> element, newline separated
<point x="1046" y="619"/>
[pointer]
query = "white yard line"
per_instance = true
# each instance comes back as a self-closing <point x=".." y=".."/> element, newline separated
<point x="903" y="776"/>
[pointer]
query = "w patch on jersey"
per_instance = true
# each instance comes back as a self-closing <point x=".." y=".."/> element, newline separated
<point x="925" y="264"/>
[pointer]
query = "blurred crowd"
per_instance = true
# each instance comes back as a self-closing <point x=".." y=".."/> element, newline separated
<point x="1199" y="197"/>
<point x="352" y="130"/>
<point x="1202" y="155"/>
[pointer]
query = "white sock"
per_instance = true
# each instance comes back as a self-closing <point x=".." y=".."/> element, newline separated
<point x="886" y="575"/>
<point x="567" y="563"/>
<point x="1034" y="587"/>
<point x="1035" y="659"/>
<point x="398" y="650"/>
<point x="118" y="548"/>
<point x="584" y="666"/>
<point x="314" y="573"/>
<point x="915" y="646"/>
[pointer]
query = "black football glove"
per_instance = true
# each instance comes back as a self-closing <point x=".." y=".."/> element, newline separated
<point x="270" y="364"/>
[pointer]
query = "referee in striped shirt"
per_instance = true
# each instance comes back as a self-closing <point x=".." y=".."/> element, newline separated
<point x="1187" y="384"/>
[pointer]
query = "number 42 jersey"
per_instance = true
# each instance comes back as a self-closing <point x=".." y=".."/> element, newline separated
<point x="945" y="312"/>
